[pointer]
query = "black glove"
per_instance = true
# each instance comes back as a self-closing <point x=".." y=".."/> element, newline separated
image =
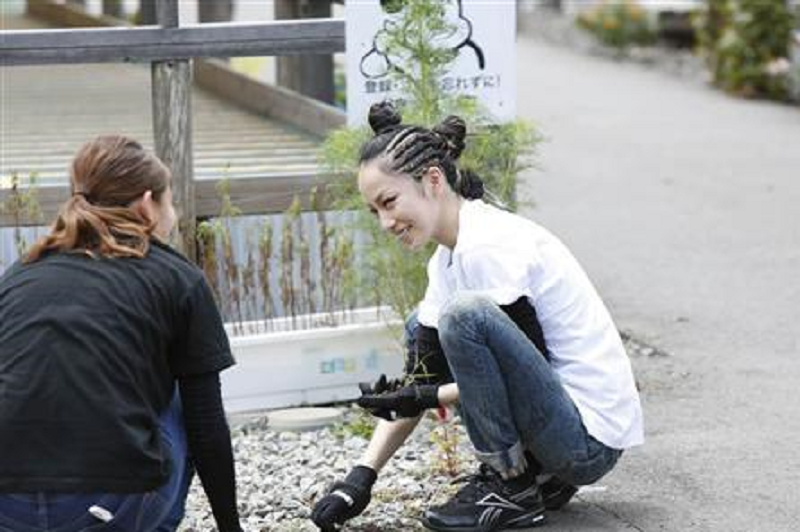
<point x="390" y="401"/>
<point x="345" y="499"/>
<point x="382" y="385"/>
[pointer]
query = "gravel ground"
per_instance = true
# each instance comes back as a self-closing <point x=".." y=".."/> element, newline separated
<point x="281" y="474"/>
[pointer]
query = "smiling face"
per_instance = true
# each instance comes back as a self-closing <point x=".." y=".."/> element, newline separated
<point x="406" y="208"/>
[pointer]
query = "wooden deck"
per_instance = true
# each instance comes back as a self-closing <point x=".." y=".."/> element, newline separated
<point x="46" y="113"/>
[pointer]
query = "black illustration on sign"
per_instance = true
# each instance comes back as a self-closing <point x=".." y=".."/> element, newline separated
<point x="376" y="63"/>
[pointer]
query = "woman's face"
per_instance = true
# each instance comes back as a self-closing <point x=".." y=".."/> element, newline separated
<point x="162" y="212"/>
<point x="406" y="208"/>
<point x="166" y="215"/>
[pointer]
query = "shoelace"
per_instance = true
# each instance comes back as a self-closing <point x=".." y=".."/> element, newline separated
<point x="477" y="483"/>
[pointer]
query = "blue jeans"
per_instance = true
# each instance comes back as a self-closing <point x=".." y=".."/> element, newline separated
<point x="160" y="510"/>
<point x="511" y="400"/>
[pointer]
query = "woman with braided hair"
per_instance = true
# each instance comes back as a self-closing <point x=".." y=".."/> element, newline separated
<point x="510" y="329"/>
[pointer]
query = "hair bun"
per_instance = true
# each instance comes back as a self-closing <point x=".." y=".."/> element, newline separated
<point x="384" y="117"/>
<point x="470" y="186"/>
<point x="453" y="131"/>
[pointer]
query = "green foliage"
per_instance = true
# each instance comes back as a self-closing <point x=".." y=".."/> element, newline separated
<point x="222" y="272"/>
<point x="22" y="202"/>
<point x="746" y="44"/>
<point x="274" y="276"/>
<point x="339" y="88"/>
<point x="619" y="23"/>
<point x="412" y="43"/>
<point x="388" y="273"/>
<point x="499" y="154"/>
<point x="227" y="208"/>
<point x="445" y="438"/>
<point x="340" y="157"/>
<point x="360" y="425"/>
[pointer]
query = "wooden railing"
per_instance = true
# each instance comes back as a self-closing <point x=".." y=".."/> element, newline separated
<point x="170" y="49"/>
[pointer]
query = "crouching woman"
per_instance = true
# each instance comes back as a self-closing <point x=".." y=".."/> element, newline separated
<point x="110" y="351"/>
<point x="510" y="327"/>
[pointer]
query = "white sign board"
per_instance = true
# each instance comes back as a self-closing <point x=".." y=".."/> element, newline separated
<point x="484" y="68"/>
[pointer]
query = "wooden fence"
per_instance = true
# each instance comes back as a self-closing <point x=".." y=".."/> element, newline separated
<point x="170" y="49"/>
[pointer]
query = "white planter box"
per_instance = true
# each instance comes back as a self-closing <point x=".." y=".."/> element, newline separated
<point x="318" y="365"/>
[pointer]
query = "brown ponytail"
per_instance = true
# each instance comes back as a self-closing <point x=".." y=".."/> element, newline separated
<point x="108" y="175"/>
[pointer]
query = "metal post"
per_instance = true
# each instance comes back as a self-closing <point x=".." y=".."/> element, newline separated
<point x="172" y="129"/>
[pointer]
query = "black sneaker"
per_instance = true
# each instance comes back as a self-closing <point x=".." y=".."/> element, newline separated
<point x="556" y="493"/>
<point x="488" y="503"/>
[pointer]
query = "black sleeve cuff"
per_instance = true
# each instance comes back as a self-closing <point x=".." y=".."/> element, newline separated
<point x="362" y="475"/>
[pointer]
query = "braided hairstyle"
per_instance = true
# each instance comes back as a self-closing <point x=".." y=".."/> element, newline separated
<point x="411" y="150"/>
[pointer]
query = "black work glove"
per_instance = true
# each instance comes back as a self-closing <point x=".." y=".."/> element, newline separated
<point x="389" y="400"/>
<point x="381" y="386"/>
<point x="345" y="499"/>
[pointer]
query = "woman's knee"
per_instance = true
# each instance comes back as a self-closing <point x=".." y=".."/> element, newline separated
<point x="464" y="310"/>
<point x="463" y="318"/>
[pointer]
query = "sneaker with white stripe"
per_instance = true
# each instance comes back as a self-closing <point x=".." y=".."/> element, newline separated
<point x="487" y="503"/>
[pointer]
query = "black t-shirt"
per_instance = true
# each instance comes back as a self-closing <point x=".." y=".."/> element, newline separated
<point x="89" y="353"/>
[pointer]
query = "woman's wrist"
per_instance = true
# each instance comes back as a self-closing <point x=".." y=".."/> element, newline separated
<point x="448" y="394"/>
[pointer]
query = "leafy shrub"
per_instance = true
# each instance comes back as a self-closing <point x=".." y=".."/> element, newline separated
<point x="619" y="23"/>
<point x="746" y="44"/>
<point x="360" y="425"/>
<point x="390" y="274"/>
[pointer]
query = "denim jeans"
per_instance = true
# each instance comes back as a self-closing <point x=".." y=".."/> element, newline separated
<point x="160" y="510"/>
<point x="511" y="400"/>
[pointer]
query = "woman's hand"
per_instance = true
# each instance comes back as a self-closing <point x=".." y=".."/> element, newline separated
<point x="390" y="400"/>
<point x="345" y="499"/>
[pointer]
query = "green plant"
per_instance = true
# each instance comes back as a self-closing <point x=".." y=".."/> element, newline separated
<point x="339" y="88"/>
<point x="249" y="280"/>
<point x="445" y="438"/>
<point x="265" y="259"/>
<point x="218" y="259"/>
<point x="242" y="280"/>
<point x="386" y="272"/>
<point x="288" y="295"/>
<point x="360" y="425"/>
<point x="746" y="44"/>
<point x="619" y="23"/>
<point x="21" y="202"/>
<point x="207" y="252"/>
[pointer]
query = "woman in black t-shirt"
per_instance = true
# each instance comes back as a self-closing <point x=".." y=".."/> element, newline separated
<point x="101" y="324"/>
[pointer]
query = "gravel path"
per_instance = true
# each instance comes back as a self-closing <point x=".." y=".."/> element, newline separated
<point x="281" y="474"/>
